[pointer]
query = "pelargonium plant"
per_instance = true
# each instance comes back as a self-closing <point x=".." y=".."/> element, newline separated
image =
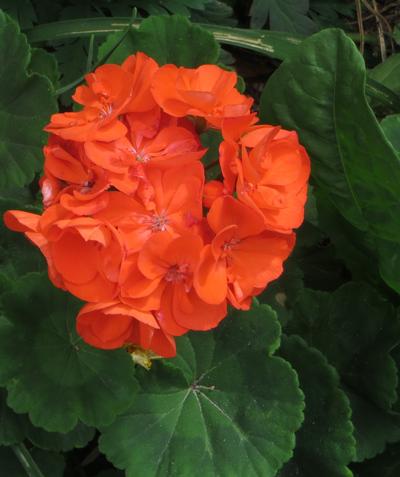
<point x="200" y="244"/>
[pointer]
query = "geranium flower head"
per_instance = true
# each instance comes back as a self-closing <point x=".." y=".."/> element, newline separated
<point x="130" y="225"/>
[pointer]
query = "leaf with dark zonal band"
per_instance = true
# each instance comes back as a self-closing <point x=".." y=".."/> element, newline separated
<point x="49" y="371"/>
<point x="224" y="406"/>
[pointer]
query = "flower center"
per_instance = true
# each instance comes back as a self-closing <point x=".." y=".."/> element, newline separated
<point x="87" y="186"/>
<point x="248" y="187"/>
<point x="106" y="111"/>
<point x="229" y="244"/>
<point x="177" y="273"/>
<point x="159" y="222"/>
<point x="143" y="157"/>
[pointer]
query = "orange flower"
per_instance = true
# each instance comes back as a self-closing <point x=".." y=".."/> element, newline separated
<point x="113" y="325"/>
<point x="112" y="90"/>
<point x="127" y="161"/>
<point x="166" y="267"/>
<point x="270" y="171"/>
<point x="175" y="206"/>
<point x="69" y="180"/>
<point x="84" y="255"/>
<point x="242" y="257"/>
<point x="207" y="91"/>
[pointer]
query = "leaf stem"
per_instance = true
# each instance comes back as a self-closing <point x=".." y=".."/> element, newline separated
<point x="268" y="42"/>
<point x="26" y="460"/>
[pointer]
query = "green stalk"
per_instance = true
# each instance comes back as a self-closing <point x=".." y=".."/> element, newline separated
<point x="26" y="460"/>
<point x="275" y="44"/>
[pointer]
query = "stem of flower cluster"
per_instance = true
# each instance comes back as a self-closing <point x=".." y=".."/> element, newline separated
<point x="26" y="460"/>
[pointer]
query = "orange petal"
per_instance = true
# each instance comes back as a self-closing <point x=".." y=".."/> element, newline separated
<point x="229" y="211"/>
<point x="20" y="221"/>
<point x="210" y="279"/>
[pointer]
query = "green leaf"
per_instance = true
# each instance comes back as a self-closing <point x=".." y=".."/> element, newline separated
<point x="384" y="465"/>
<point x="325" y="444"/>
<point x="224" y="406"/>
<point x="282" y="293"/>
<point x="78" y="437"/>
<point x="356" y="329"/>
<point x="352" y="161"/>
<point x="15" y="428"/>
<point x="21" y="11"/>
<point x="49" y="371"/>
<point x="211" y="140"/>
<point x="50" y="463"/>
<point x="288" y="15"/>
<point x="328" y="13"/>
<point x="373" y="427"/>
<point x="71" y="57"/>
<point x="11" y="424"/>
<point x="391" y="128"/>
<point x="17" y="255"/>
<point x="216" y="12"/>
<point x="45" y="64"/>
<point x="110" y="473"/>
<point x="26" y="102"/>
<point x="368" y="258"/>
<point x="388" y="73"/>
<point x="167" y="39"/>
<point x="356" y="248"/>
<point x="396" y="34"/>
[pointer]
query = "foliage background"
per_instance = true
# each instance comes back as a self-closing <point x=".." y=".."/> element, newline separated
<point x="306" y="384"/>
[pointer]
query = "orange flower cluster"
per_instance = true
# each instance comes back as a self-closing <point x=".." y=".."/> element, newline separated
<point x="129" y="225"/>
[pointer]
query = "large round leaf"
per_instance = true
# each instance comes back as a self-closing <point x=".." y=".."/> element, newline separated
<point x="325" y="444"/>
<point x="15" y="428"/>
<point x="167" y="39"/>
<point x="49" y="371"/>
<point x="384" y="465"/>
<point x="26" y="103"/>
<point x="225" y="406"/>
